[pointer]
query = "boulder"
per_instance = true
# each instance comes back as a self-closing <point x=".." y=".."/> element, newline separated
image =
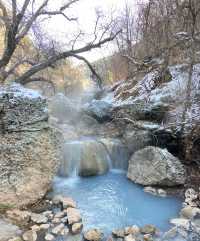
<point x="155" y="166"/>
<point x="29" y="148"/>
<point x="137" y="139"/>
<point x="99" y="109"/>
<point x="140" y="110"/>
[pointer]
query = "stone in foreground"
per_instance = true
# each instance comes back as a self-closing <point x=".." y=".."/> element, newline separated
<point x="49" y="237"/>
<point x="93" y="235"/>
<point x="148" y="229"/>
<point x="156" y="166"/>
<point x="76" y="228"/>
<point x="73" y="215"/>
<point x="30" y="236"/>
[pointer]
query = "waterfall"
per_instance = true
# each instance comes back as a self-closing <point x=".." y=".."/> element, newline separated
<point x="71" y="159"/>
<point x="88" y="157"/>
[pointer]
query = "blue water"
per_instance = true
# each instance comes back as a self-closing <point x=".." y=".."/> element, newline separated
<point x="112" y="201"/>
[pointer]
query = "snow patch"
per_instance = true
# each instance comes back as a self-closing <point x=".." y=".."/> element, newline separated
<point x="19" y="91"/>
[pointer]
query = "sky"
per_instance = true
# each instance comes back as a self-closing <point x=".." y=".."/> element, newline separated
<point x="60" y="30"/>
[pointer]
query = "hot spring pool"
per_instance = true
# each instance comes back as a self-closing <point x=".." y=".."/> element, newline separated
<point x="112" y="201"/>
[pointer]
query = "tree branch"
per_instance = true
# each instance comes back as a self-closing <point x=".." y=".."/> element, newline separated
<point x="99" y="79"/>
<point x="52" y="59"/>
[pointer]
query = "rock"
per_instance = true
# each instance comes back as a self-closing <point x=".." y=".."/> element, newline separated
<point x="157" y="192"/>
<point x="93" y="235"/>
<point x="190" y="197"/>
<point x="65" y="231"/>
<point x="17" y="216"/>
<point x="30" y="236"/>
<point x="148" y="229"/>
<point x="39" y="218"/>
<point x="8" y="230"/>
<point x="35" y="228"/>
<point x="150" y="190"/>
<point x="68" y="202"/>
<point x="118" y="233"/>
<point x="59" y="215"/>
<point x="47" y="214"/>
<point x="56" y="220"/>
<point x="189" y="212"/>
<point x="162" y="192"/>
<point x="155" y="166"/>
<point x="110" y="238"/>
<point x="29" y="147"/>
<point x="94" y="159"/>
<point x="49" y="237"/>
<point x="64" y="201"/>
<point x="99" y="109"/>
<point x="181" y="222"/>
<point x="15" y="239"/>
<point x="76" y="228"/>
<point x="140" y="110"/>
<point x="45" y="226"/>
<point x="170" y="234"/>
<point x="64" y="220"/>
<point x="137" y="139"/>
<point x="58" y="229"/>
<point x="73" y="215"/>
<point x="147" y="237"/>
<point x="130" y="237"/>
<point x="57" y="199"/>
<point x="135" y="230"/>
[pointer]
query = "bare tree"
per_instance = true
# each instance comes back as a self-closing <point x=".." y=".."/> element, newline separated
<point x="18" y="21"/>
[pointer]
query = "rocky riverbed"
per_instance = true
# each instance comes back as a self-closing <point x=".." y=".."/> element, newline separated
<point x="62" y="219"/>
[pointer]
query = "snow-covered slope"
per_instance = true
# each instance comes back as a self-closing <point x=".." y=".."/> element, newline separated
<point x="172" y="93"/>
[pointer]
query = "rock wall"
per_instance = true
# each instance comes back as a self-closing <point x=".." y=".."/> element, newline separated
<point x="29" y="148"/>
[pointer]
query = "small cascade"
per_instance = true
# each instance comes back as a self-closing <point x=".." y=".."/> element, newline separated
<point x="71" y="159"/>
<point x="88" y="157"/>
<point x="85" y="157"/>
<point x="118" y="152"/>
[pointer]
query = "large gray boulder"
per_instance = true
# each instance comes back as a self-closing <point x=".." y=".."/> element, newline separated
<point x="29" y="148"/>
<point x="99" y="109"/>
<point x="155" y="166"/>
